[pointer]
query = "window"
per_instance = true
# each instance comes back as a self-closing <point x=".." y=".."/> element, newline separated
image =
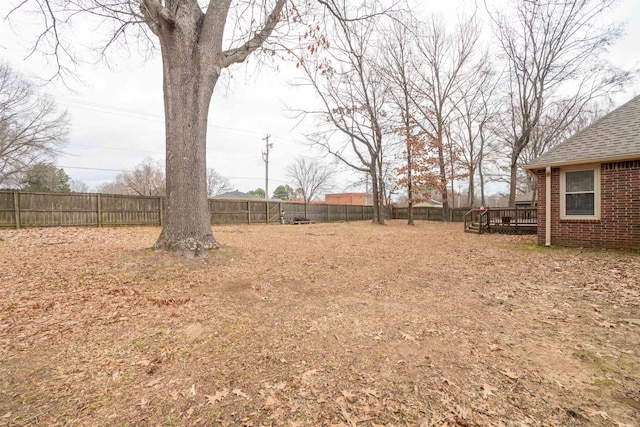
<point x="580" y="193"/>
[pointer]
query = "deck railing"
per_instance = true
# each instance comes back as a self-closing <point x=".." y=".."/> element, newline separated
<point x="477" y="217"/>
<point x="494" y="219"/>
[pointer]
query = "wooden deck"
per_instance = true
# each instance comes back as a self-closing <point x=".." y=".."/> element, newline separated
<point x="502" y="220"/>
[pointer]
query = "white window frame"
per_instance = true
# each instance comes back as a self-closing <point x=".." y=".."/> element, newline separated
<point x="596" y="190"/>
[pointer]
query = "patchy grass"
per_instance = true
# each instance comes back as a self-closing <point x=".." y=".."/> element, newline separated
<point x="325" y="324"/>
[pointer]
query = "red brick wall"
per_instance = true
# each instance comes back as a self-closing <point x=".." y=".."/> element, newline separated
<point x="354" y="199"/>
<point x="619" y="224"/>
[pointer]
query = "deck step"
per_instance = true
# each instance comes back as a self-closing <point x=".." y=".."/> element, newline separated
<point x="474" y="227"/>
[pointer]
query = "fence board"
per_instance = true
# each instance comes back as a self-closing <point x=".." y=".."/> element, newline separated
<point x="427" y="213"/>
<point x="92" y="209"/>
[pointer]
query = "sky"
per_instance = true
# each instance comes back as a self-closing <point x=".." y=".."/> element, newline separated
<point x="116" y="112"/>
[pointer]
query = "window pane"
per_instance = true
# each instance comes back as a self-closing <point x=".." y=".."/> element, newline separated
<point x="580" y="204"/>
<point x="579" y="181"/>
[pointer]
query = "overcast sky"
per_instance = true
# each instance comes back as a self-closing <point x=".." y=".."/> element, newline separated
<point x="117" y="113"/>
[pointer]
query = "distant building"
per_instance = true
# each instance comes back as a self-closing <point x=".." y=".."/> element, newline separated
<point x="237" y="195"/>
<point x="431" y="203"/>
<point x="354" y="199"/>
<point x="524" y="200"/>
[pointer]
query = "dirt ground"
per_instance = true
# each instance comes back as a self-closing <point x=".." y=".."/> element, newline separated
<point x="346" y="324"/>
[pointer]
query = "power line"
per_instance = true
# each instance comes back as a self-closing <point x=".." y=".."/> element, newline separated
<point x="94" y="169"/>
<point x="126" y="170"/>
<point x="110" y="109"/>
<point x="75" y="144"/>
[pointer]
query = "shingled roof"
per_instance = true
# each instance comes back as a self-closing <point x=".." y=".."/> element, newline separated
<point x="237" y="195"/>
<point x="614" y="137"/>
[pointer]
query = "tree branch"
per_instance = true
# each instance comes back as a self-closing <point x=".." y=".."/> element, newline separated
<point x="241" y="53"/>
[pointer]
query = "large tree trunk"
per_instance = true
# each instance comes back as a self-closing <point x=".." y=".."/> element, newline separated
<point x="443" y="183"/>
<point x="513" y="179"/>
<point x="472" y="188"/>
<point x="187" y="94"/>
<point x="382" y="190"/>
<point x="409" y="186"/>
<point x="378" y="215"/>
<point x="481" y="176"/>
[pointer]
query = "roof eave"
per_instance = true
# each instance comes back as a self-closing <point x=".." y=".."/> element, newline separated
<point x="608" y="159"/>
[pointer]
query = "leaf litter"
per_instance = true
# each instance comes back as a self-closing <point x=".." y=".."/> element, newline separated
<point x="326" y="324"/>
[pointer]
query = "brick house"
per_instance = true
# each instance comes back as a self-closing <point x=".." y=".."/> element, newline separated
<point x="589" y="186"/>
<point x="355" y="199"/>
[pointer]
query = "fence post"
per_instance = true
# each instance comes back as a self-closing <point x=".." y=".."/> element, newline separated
<point x="268" y="212"/>
<point x="99" y="210"/>
<point x="161" y="206"/>
<point x="16" y="207"/>
<point x="248" y="212"/>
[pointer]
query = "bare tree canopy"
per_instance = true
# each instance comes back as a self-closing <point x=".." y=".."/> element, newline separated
<point x="146" y="179"/>
<point x="310" y="177"/>
<point x="448" y="61"/>
<point x="31" y="130"/>
<point x="398" y="68"/>
<point x="554" y="51"/>
<point x="351" y="125"/>
<point x="216" y="183"/>
<point x="78" y="186"/>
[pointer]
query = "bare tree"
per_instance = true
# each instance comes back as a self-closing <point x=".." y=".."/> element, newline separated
<point x="353" y="96"/>
<point x="147" y="179"/>
<point x="216" y="183"/>
<point x="195" y="49"/>
<point x="78" y="186"/>
<point x="398" y="69"/>
<point x="475" y="113"/>
<point x="113" y="187"/>
<point x="446" y="61"/>
<point x="310" y="177"/>
<point x="554" y="50"/>
<point x="31" y="130"/>
<point x="547" y="134"/>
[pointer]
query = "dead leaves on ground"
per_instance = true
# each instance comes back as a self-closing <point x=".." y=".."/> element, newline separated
<point x="363" y="328"/>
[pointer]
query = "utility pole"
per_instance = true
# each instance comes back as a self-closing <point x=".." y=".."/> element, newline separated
<point x="265" y="156"/>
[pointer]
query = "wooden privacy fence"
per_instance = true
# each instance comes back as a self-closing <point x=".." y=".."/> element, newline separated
<point x="428" y="213"/>
<point x="259" y="211"/>
<point x="27" y="209"/>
